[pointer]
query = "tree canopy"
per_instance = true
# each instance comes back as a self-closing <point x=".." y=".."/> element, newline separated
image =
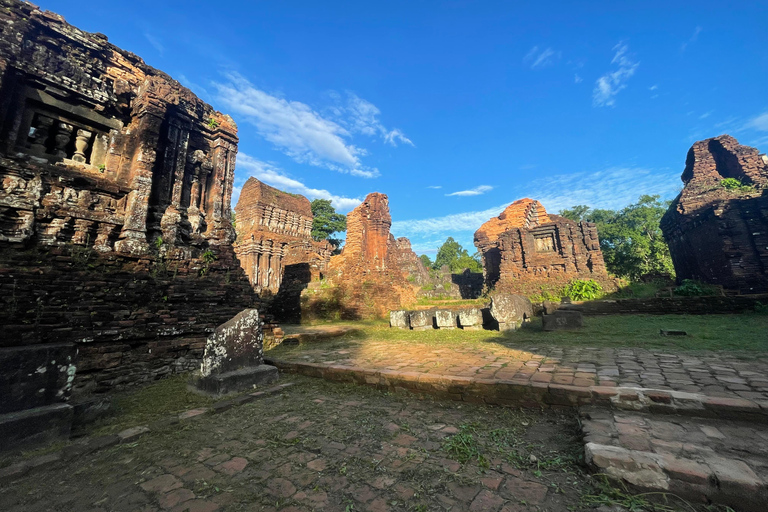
<point x="327" y="222"/>
<point x="451" y="253"/>
<point x="630" y="238"/>
<point x="426" y="261"/>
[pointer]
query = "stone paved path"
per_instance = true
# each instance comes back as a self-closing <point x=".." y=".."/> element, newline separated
<point x="705" y="460"/>
<point x="331" y="447"/>
<point x="710" y="373"/>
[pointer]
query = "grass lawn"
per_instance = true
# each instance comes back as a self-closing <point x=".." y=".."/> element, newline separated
<point x="732" y="333"/>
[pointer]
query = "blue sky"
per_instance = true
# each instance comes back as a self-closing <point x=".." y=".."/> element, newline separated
<point x="455" y="109"/>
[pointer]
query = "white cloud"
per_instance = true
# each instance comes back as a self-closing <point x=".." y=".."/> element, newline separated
<point x="692" y="39"/>
<point x="706" y="114"/>
<point x="435" y="186"/>
<point x="541" y="58"/>
<point x="482" y="189"/>
<point x="759" y="123"/>
<point x="577" y="79"/>
<point x="467" y="221"/>
<point x="653" y="87"/>
<point x="155" y="42"/>
<point x="611" y="188"/>
<point x="609" y="85"/>
<point x="362" y="116"/>
<point x="294" y="127"/>
<point x="274" y="176"/>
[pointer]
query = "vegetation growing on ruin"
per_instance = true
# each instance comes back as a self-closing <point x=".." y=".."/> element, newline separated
<point x="736" y="185"/>
<point x="630" y="238"/>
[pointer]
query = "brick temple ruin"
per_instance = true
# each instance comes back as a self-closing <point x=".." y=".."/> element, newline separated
<point x="526" y="250"/>
<point x="370" y="276"/>
<point x="274" y="230"/>
<point x="116" y="257"/>
<point x="715" y="234"/>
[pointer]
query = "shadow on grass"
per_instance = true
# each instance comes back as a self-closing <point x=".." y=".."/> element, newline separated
<point x="739" y="335"/>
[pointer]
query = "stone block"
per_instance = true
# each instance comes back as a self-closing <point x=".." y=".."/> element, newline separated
<point x="562" y="320"/>
<point x="445" y="319"/>
<point x="510" y="311"/>
<point x="237" y="380"/>
<point x="471" y="319"/>
<point x="399" y="319"/>
<point x="36" y="376"/>
<point x="422" y="320"/>
<point x="39" y="425"/>
<point x="235" y="344"/>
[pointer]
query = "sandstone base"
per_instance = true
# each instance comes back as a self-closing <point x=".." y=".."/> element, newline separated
<point x="30" y="427"/>
<point x="236" y="380"/>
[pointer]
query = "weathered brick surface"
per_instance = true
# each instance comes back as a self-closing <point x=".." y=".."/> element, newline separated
<point x="115" y="186"/>
<point x="367" y="279"/>
<point x="274" y="230"/>
<point x="525" y="250"/>
<point x="717" y="235"/>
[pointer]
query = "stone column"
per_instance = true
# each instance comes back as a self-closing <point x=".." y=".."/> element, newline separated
<point x="175" y="162"/>
<point x="81" y="144"/>
<point x="133" y="236"/>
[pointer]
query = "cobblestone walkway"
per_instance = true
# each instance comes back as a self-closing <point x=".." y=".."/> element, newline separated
<point x="331" y="447"/>
<point x="705" y="460"/>
<point x="710" y="373"/>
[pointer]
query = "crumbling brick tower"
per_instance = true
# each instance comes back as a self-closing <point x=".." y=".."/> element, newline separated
<point x="525" y="250"/>
<point x="116" y="255"/>
<point x="716" y="234"/>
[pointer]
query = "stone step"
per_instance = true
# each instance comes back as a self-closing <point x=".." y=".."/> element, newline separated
<point x="703" y="460"/>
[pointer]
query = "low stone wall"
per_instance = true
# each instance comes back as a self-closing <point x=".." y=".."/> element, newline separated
<point x="671" y="305"/>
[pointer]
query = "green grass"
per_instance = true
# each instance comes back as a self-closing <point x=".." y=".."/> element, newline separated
<point x="731" y="333"/>
<point x="157" y="400"/>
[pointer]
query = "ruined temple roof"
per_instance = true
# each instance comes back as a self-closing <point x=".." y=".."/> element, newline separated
<point x="255" y="191"/>
<point x="523" y="213"/>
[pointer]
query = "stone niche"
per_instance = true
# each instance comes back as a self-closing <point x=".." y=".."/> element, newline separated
<point x="366" y="280"/>
<point x="274" y="230"/>
<point x="717" y="235"/>
<point x="526" y="250"/>
<point x="115" y="228"/>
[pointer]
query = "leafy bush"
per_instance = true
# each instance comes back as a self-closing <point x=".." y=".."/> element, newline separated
<point x="428" y="287"/>
<point x="691" y="288"/>
<point x="583" y="289"/>
<point x="735" y="185"/>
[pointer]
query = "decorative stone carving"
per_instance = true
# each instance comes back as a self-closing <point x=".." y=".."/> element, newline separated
<point x="274" y="229"/>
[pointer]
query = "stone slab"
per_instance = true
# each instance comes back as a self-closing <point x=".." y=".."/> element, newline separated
<point x="237" y="380"/>
<point x="471" y="318"/>
<point x="445" y="319"/>
<point x="400" y="319"/>
<point x="422" y="320"/>
<point x="562" y="320"/>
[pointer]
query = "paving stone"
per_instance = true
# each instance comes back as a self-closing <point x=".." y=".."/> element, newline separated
<point x="232" y="466"/>
<point x="486" y="501"/>
<point x="161" y="484"/>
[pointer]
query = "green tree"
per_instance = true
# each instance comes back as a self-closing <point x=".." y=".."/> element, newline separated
<point x="326" y="222"/>
<point x="451" y="253"/>
<point x="426" y="261"/>
<point x="630" y="238"/>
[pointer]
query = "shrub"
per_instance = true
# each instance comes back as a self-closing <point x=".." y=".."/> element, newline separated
<point x="735" y="185"/>
<point x="583" y="289"/>
<point x="691" y="288"/>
